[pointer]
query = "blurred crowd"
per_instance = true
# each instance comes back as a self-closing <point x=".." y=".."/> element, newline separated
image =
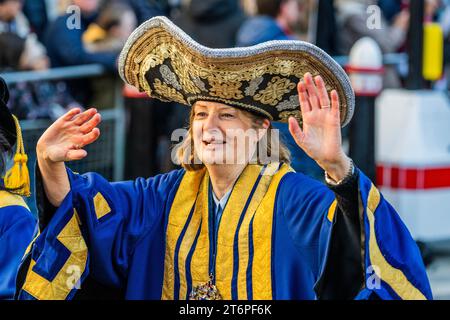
<point x="39" y="34"/>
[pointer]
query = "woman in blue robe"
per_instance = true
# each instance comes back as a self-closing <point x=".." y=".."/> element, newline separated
<point x="17" y="224"/>
<point x="244" y="228"/>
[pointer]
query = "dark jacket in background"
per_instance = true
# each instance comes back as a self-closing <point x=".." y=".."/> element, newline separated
<point x="213" y="23"/>
<point x="146" y="9"/>
<point x="65" y="46"/>
<point x="36" y="13"/>
<point x="390" y="8"/>
<point x="326" y="27"/>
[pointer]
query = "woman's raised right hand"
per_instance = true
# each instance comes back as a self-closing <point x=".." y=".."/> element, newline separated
<point x="65" y="138"/>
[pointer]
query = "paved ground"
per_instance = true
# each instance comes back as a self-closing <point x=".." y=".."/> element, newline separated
<point x="439" y="275"/>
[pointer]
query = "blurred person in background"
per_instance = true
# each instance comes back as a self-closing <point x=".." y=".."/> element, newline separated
<point x="213" y="23"/>
<point x="146" y="9"/>
<point x="115" y="22"/>
<point x="37" y="99"/>
<point x="353" y="19"/>
<point x="13" y="21"/>
<point x="274" y="21"/>
<point x="64" y="41"/>
<point x="37" y="14"/>
<point x="390" y="8"/>
<point x="18" y="54"/>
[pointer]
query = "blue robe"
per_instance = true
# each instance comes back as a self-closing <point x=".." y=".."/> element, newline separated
<point x="17" y="229"/>
<point x="278" y="238"/>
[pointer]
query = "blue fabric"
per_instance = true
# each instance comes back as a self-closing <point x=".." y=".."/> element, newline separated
<point x="259" y="29"/>
<point x="127" y="246"/>
<point x="396" y="244"/>
<point x="300" y="161"/>
<point x="17" y="229"/>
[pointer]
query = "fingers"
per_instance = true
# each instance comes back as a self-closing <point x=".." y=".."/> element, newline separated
<point x="85" y="116"/>
<point x="312" y="91"/>
<point x="335" y="102"/>
<point x="76" y="154"/>
<point x="296" y="131"/>
<point x="322" y="91"/>
<point x="90" y="137"/>
<point x="70" y="114"/>
<point x="91" y="124"/>
<point x="303" y="97"/>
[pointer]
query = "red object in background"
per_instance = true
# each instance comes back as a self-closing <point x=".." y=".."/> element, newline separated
<point x="405" y="178"/>
<point x="405" y="4"/>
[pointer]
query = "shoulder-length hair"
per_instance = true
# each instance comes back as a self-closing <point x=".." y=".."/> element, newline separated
<point x="185" y="154"/>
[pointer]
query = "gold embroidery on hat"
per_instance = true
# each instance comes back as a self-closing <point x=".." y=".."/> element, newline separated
<point x="155" y="46"/>
<point x="228" y="90"/>
<point x="285" y="115"/>
<point x="167" y="93"/>
<point x="284" y="67"/>
<point x="275" y="90"/>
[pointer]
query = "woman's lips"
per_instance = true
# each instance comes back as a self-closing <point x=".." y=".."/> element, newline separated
<point x="213" y="144"/>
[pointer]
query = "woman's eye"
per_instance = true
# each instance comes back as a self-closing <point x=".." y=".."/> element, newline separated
<point x="228" y="115"/>
<point x="200" y="114"/>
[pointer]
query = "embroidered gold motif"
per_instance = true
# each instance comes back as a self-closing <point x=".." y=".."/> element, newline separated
<point x="275" y="90"/>
<point x="182" y="67"/>
<point x="201" y="76"/>
<point x="285" y="115"/>
<point x="284" y="67"/>
<point x="167" y="92"/>
<point x="228" y="90"/>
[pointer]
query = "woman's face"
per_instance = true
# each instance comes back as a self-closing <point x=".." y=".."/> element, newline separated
<point x="222" y="134"/>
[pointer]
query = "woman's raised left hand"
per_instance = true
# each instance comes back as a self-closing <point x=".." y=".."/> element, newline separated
<point x="321" y="135"/>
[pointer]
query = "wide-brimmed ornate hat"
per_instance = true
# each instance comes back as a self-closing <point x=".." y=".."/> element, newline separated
<point x="162" y="60"/>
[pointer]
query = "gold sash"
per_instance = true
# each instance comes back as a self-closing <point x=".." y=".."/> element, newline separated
<point x="244" y="238"/>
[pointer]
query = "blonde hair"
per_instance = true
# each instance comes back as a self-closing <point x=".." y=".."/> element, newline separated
<point x="187" y="161"/>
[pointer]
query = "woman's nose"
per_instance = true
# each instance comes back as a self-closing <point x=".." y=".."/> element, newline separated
<point x="211" y="122"/>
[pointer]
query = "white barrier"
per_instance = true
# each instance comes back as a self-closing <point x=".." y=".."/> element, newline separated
<point x="413" y="159"/>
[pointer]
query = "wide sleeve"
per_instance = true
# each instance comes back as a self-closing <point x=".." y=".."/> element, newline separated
<point x="356" y="246"/>
<point x="94" y="231"/>
<point x="18" y="227"/>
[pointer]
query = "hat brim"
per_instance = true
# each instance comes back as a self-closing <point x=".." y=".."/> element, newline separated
<point x="163" y="61"/>
<point x="7" y="123"/>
